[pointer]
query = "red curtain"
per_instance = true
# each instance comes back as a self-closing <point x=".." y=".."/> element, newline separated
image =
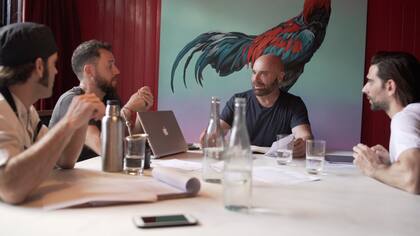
<point x="391" y="25"/>
<point x="133" y="29"/>
<point x="61" y="17"/>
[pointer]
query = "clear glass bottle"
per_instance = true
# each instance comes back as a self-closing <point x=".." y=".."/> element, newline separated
<point x="213" y="146"/>
<point x="237" y="174"/>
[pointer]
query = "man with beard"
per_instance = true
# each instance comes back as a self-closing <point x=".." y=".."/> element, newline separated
<point x="28" y="150"/>
<point x="94" y="65"/>
<point x="393" y="85"/>
<point x="269" y="110"/>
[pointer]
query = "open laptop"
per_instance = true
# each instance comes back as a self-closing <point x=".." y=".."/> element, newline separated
<point x="165" y="136"/>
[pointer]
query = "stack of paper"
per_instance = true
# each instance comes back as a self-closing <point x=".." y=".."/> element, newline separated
<point x="67" y="188"/>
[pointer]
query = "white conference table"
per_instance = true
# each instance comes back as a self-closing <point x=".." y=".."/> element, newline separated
<point x="343" y="202"/>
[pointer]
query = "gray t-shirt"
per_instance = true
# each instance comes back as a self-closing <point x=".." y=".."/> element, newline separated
<point x="264" y="124"/>
<point x="63" y="104"/>
<point x="61" y="108"/>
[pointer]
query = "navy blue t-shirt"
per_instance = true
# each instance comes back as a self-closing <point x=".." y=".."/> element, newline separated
<point x="265" y="123"/>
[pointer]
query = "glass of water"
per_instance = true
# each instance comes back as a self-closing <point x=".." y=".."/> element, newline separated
<point x="134" y="153"/>
<point x="315" y="156"/>
<point x="284" y="151"/>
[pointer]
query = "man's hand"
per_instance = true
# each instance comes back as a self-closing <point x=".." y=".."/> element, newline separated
<point x="223" y="125"/>
<point x="382" y="153"/>
<point x="367" y="159"/>
<point x="142" y="100"/>
<point x="147" y="96"/>
<point x="84" y="108"/>
<point x="299" y="147"/>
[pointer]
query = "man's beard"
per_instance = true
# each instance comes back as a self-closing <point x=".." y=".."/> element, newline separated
<point x="378" y="106"/>
<point x="44" y="78"/>
<point x="266" y="90"/>
<point x="104" y="85"/>
<point x="44" y="81"/>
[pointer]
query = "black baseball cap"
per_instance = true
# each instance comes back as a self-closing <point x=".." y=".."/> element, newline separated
<point x="22" y="43"/>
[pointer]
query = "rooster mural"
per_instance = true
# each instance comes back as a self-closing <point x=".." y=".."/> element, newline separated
<point x="295" y="41"/>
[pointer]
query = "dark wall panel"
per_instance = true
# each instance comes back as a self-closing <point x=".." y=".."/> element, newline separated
<point x="132" y="27"/>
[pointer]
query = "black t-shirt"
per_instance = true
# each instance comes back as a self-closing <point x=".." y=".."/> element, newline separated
<point x="62" y="106"/>
<point x="264" y="124"/>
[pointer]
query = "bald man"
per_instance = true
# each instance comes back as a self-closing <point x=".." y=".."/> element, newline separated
<point x="270" y="111"/>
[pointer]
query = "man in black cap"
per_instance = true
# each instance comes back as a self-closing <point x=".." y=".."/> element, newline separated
<point x="28" y="152"/>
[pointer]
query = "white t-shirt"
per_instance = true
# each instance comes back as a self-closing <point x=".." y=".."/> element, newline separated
<point x="16" y="134"/>
<point x="405" y="131"/>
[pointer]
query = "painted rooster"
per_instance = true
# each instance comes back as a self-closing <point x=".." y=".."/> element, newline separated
<point x="295" y="41"/>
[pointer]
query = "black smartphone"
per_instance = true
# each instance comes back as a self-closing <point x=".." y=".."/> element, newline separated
<point x="192" y="146"/>
<point x="164" y="221"/>
<point x="339" y="159"/>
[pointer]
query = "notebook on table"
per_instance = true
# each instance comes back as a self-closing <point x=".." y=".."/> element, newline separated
<point x="165" y="136"/>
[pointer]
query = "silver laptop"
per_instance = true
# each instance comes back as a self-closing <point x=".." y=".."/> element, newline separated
<point x="165" y="136"/>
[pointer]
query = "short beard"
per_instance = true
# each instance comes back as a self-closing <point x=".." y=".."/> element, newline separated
<point x="266" y="91"/>
<point x="44" y="78"/>
<point x="378" y="106"/>
<point x="103" y="85"/>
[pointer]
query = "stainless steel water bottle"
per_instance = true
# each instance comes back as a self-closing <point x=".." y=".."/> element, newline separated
<point x="112" y="138"/>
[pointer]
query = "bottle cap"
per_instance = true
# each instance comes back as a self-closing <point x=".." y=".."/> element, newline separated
<point x="112" y="102"/>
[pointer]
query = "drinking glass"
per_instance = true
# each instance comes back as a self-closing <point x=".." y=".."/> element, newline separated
<point x="284" y="151"/>
<point x="315" y="156"/>
<point x="134" y="153"/>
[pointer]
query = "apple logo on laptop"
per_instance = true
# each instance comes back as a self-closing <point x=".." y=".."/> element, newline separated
<point x="165" y="131"/>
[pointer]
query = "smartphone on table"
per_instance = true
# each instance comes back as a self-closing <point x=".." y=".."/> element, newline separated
<point x="339" y="159"/>
<point x="193" y="146"/>
<point x="164" y="220"/>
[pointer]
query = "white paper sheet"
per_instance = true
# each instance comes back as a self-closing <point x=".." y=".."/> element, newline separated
<point x="282" y="143"/>
<point x="259" y="149"/>
<point x="273" y="176"/>
<point x="179" y="164"/>
<point x="188" y="185"/>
